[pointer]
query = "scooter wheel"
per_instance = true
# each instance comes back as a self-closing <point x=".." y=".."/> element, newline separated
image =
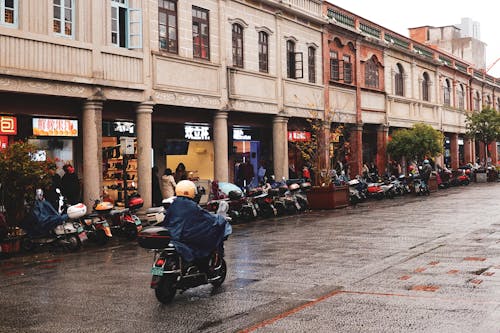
<point x="130" y="231"/>
<point x="73" y="243"/>
<point x="27" y="245"/>
<point x="222" y="271"/>
<point x="165" y="291"/>
<point x="100" y="237"/>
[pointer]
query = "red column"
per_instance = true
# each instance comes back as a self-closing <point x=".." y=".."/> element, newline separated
<point x="382" y="137"/>
<point x="482" y="152"/>
<point x="468" y="153"/>
<point x="356" y="151"/>
<point x="493" y="153"/>
<point x="454" y="150"/>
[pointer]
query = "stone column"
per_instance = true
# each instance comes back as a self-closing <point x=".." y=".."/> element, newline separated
<point x="468" y="152"/>
<point x="280" y="147"/>
<point x="221" y="161"/>
<point x="92" y="150"/>
<point x="356" y="155"/>
<point x="454" y="150"/>
<point x="144" y="145"/>
<point x="382" y="138"/>
<point x="493" y="153"/>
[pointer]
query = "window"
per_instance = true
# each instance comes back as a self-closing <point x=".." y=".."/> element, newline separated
<point x="446" y="92"/>
<point x="498" y="104"/>
<point x="488" y="101"/>
<point x="461" y="97"/>
<point x="294" y="65"/>
<point x="263" y="52"/>
<point x="201" y="47"/>
<point x="371" y="73"/>
<point x="311" y="64"/>
<point x="63" y="17"/>
<point x="477" y="101"/>
<point x="8" y="12"/>
<point x="334" y="66"/>
<point x="425" y="87"/>
<point x="398" y="80"/>
<point x="126" y="25"/>
<point x="167" y="25"/>
<point x="347" y="69"/>
<point x="237" y="45"/>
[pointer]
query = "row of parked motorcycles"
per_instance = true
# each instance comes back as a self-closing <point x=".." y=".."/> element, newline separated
<point x="70" y="225"/>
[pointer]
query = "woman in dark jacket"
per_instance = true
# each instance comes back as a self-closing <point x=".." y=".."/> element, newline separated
<point x="70" y="185"/>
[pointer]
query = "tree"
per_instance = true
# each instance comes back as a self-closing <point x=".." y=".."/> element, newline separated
<point x="420" y="142"/>
<point x="20" y="176"/>
<point x="484" y="127"/>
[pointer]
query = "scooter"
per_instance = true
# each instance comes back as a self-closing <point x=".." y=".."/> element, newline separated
<point x="170" y="271"/>
<point x="47" y="226"/>
<point x="121" y="221"/>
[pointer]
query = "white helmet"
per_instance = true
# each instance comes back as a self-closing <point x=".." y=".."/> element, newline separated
<point x="186" y="188"/>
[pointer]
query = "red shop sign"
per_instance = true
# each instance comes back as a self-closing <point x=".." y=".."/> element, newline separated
<point x="8" y="125"/>
<point x="299" y="136"/>
<point x="4" y="141"/>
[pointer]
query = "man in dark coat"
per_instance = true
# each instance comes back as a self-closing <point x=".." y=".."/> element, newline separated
<point x="70" y="185"/>
<point x="55" y="182"/>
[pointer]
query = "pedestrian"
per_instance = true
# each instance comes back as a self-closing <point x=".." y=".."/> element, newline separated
<point x="55" y="182"/>
<point x="306" y="174"/>
<point x="261" y="172"/>
<point x="167" y="184"/>
<point x="70" y="185"/>
<point x="156" y="191"/>
<point x="180" y="173"/>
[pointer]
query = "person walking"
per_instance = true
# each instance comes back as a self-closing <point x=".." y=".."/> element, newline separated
<point x="70" y="185"/>
<point x="180" y="173"/>
<point x="156" y="190"/>
<point x="167" y="184"/>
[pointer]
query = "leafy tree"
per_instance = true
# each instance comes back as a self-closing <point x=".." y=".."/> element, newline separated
<point x="419" y="142"/>
<point x="20" y="176"/>
<point x="484" y="127"/>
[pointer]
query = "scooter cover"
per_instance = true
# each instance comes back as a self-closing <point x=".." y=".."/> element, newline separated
<point x="42" y="219"/>
<point x="195" y="232"/>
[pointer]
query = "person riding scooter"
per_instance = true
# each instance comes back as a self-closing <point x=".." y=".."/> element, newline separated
<point x="194" y="231"/>
<point x="426" y="172"/>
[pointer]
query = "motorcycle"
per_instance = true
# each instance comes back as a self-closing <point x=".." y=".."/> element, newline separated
<point x="171" y="272"/>
<point x="47" y="226"/>
<point x="420" y="186"/>
<point x="262" y="202"/>
<point x="122" y="221"/>
<point x="356" y="193"/>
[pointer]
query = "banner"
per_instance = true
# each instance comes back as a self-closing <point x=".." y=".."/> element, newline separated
<point x="8" y="125"/>
<point x="299" y="136"/>
<point x="55" y="127"/>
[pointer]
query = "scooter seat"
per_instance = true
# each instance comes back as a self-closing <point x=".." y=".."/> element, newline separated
<point x="154" y="210"/>
<point x="118" y="211"/>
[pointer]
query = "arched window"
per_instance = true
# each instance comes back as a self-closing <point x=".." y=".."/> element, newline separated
<point x="446" y="92"/>
<point x="263" y="52"/>
<point x="461" y="97"/>
<point x="290" y="58"/>
<point x="237" y="45"/>
<point x="488" y="101"/>
<point x="477" y="101"/>
<point x="371" y="73"/>
<point x="398" y="80"/>
<point x="498" y="104"/>
<point x="311" y="64"/>
<point x="425" y="87"/>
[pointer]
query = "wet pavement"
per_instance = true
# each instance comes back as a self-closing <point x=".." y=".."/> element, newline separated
<point x="413" y="264"/>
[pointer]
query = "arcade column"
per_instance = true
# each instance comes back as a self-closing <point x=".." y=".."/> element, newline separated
<point x="144" y="167"/>
<point x="356" y="154"/>
<point x="382" y="138"/>
<point x="221" y="160"/>
<point x="280" y="147"/>
<point x="454" y="150"/>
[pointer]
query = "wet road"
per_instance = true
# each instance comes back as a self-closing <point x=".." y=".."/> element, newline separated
<point x="410" y="264"/>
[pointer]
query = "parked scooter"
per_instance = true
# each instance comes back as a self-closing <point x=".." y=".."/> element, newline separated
<point x="170" y="271"/>
<point x="46" y="226"/>
<point x="122" y="221"/>
<point x="421" y="188"/>
<point x="356" y="193"/>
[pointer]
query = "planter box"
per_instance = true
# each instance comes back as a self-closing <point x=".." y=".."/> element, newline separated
<point x="330" y="197"/>
<point x="433" y="184"/>
<point x="481" y="177"/>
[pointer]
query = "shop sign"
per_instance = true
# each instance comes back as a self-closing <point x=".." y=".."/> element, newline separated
<point x="299" y="136"/>
<point x="240" y="134"/>
<point x="8" y="125"/>
<point x="4" y="141"/>
<point x="197" y="132"/>
<point x="124" y="127"/>
<point x="55" y="127"/>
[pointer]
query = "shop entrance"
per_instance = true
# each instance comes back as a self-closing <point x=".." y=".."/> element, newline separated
<point x="246" y="162"/>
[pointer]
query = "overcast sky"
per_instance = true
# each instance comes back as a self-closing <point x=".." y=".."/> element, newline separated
<point x="398" y="16"/>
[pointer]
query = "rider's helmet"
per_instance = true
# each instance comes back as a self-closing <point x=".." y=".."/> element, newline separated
<point x="186" y="188"/>
<point x="426" y="161"/>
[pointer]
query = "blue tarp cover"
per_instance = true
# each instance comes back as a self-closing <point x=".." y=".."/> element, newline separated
<point x="42" y="219"/>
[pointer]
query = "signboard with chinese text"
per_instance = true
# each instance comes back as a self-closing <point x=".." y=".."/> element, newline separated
<point x="299" y="136"/>
<point x="197" y="132"/>
<point x="4" y="141"/>
<point x="242" y="134"/>
<point x="55" y="127"/>
<point x="8" y="125"/>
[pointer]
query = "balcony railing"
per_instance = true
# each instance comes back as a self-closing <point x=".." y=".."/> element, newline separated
<point x="312" y="7"/>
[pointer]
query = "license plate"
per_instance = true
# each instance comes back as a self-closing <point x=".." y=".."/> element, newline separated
<point x="157" y="271"/>
<point x="83" y="236"/>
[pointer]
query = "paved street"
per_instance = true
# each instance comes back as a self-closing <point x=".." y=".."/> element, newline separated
<point x="428" y="264"/>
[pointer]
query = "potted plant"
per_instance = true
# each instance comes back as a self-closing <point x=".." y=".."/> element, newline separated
<point x="324" y="194"/>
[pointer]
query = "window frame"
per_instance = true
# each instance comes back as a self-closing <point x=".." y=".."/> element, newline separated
<point x="116" y="5"/>
<point x="237" y="45"/>
<point x="372" y="74"/>
<point x="196" y="21"/>
<point x="399" y="86"/>
<point x="425" y="87"/>
<point x="334" y="66"/>
<point x="311" y="64"/>
<point x="168" y="12"/>
<point x="447" y="92"/>
<point x="347" y="67"/>
<point x="15" y="10"/>
<point x="477" y="101"/>
<point x="62" y="18"/>
<point x="461" y="97"/>
<point x="290" y="59"/>
<point x="263" y="56"/>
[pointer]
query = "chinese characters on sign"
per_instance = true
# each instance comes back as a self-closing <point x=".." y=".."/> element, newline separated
<point x="196" y="132"/>
<point x="124" y="127"/>
<point x="8" y="125"/>
<point x="241" y="134"/>
<point x="299" y="136"/>
<point x="55" y="127"/>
